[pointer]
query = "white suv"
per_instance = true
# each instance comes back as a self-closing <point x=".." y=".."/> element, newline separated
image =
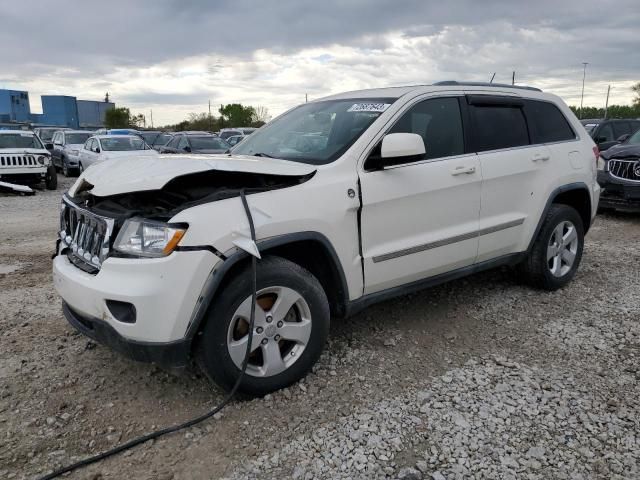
<point x="356" y="198"/>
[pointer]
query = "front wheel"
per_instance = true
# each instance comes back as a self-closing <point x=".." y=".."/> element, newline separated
<point x="557" y="251"/>
<point x="290" y="329"/>
<point x="51" y="178"/>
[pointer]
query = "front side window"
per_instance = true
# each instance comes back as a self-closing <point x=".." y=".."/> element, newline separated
<point x="88" y="143"/>
<point x="605" y="134"/>
<point x="438" y="122"/>
<point x="498" y="126"/>
<point x="183" y="143"/>
<point x="173" y="143"/>
<point x="547" y="122"/>
<point x="122" y="144"/>
<point x="316" y="133"/>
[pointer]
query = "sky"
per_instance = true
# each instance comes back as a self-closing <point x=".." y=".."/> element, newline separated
<point x="174" y="56"/>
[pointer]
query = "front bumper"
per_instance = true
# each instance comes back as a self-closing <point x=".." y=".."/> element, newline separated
<point x="162" y="291"/>
<point x="618" y="194"/>
<point x="170" y="354"/>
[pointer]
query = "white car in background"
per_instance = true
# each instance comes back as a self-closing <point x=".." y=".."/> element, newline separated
<point x="99" y="148"/>
<point x="25" y="161"/>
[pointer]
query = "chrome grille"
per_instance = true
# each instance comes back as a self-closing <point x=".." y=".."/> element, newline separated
<point x="625" y="169"/>
<point x="18" y="161"/>
<point x="86" y="234"/>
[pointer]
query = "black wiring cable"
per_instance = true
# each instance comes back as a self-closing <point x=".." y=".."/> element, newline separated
<point x="158" y="433"/>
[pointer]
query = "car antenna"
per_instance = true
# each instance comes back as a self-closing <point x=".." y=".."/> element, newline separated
<point x="492" y="77"/>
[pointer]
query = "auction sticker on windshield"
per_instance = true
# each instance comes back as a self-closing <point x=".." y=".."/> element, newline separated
<point x="369" y="107"/>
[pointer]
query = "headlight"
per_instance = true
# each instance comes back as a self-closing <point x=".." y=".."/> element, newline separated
<point x="146" y="238"/>
<point x="43" y="160"/>
<point x="602" y="164"/>
<point x="73" y="152"/>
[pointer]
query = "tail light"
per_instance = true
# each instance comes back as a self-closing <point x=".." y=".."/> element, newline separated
<point x="596" y="153"/>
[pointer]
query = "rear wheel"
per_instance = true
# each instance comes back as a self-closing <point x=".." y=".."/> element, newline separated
<point x="80" y="169"/>
<point x="557" y="251"/>
<point x="290" y="329"/>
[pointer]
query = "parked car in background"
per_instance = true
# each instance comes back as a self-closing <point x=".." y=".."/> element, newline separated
<point x="46" y="133"/>
<point x="99" y="148"/>
<point x="155" y="139"/>
<point x="247" y="130"/>
<point x="377" y="197"/>
<point x="609" y="132"/>
<point x="619" y="175"/>
<point x="192" y="142"/>
<point x="65" y="149"/>
<point x="226" y="133"/>
<point x="232" y="141"/>
<point x="24" y="160"/>
<point x="117" y="131"/>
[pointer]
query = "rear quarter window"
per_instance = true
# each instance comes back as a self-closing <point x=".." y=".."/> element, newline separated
<point x="547" y="123"/>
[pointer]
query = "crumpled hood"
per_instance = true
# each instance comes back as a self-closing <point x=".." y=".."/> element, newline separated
<point x="152" y="173"/>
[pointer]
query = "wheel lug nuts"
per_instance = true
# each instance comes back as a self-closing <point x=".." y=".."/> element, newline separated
<point x="276" y="338"/>
<point x="259" y="330"/>
<point x="264" y="341"/>
<point x="280" y="324"/>
<point x="269" y="319"/>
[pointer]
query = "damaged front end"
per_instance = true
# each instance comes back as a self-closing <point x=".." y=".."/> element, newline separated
<point x="90" y="224"/>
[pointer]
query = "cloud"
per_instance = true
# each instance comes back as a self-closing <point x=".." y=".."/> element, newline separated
<point x="174" y="56"/>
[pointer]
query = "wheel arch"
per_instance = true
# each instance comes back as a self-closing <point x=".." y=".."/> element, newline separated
<point x="575" y="195"/>
<point x="311" y="250"/>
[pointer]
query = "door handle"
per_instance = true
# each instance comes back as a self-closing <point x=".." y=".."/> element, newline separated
<point x="463" y="170"/>
<point x="538" y="157"/>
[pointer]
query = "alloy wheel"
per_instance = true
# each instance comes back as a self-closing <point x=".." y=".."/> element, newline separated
<point x="282" y="330"/>
<point x="562" y="249"/>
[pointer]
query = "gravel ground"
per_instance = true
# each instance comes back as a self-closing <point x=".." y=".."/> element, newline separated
<point x="478" y="378"/>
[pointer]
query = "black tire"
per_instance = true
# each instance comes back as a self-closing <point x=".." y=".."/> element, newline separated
<point x="65" y="167"/>
<point x="536" y="268"/>
<point x="80" y="168"/>
<point x="51" y="178"/>
<point x="213" y="353"/>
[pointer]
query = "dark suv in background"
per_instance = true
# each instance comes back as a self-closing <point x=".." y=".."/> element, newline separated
<point x="619" y="175"/>
<point x="609" y="132"/>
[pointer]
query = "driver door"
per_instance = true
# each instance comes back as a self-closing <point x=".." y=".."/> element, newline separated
<point x="421" y="219"/>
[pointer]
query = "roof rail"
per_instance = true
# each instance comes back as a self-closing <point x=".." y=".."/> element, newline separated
<point x="447" y="83"/>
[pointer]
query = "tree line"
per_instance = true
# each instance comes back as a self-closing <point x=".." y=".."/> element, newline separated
<point x="230" y="115"/>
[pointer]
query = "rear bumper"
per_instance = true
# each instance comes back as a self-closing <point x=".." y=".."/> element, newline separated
<point x="618" y="194"/>
<point x="169" y="354"/>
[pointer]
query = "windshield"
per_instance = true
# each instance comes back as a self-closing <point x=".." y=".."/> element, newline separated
<point x="76" y="138"/>
<point x="19" y="140"/>
<point x="634" y="139"/>
<point x="208" y="143"/>
<point x="121" y="144"/>
<point x="156" y="138"/>
<point x="315" y="133"/>
<point x="46" y="135"/>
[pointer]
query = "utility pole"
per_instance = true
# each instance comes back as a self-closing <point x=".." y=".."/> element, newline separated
<point x="492" y="77"/>
<point x="606" y="105"/>
<point x="584" y="74"/>
<point x="513" y="78"/>
<point x="151" y="117"/>
<point x="306" y="98"/>
<point x="210" y="119"/>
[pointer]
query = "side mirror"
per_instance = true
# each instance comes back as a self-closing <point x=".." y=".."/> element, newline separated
<point x="600" y="139"/>
<point x="187" y="148"/>
<point x="622" y="138"/>
<point x="97" y="150"/>
<point x="48" y="146"/>
<point x="396" y="149"/>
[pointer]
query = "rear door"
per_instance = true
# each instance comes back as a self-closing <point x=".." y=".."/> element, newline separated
<point x="513" y="173"/>
<point x="420" y="219"/>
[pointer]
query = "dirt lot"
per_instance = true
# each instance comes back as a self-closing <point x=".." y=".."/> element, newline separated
<point x="480" y="378"/>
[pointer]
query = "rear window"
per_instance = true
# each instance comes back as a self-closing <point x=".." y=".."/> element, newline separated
<point x="498" y="127"/>
<point x="547" y="123"/>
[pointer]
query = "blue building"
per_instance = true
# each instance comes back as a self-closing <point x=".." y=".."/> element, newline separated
<point x="58" y="110"/>
<point x="14" y="106"/>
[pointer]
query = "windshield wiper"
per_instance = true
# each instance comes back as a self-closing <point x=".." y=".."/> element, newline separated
<point x="262" y="154"/>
